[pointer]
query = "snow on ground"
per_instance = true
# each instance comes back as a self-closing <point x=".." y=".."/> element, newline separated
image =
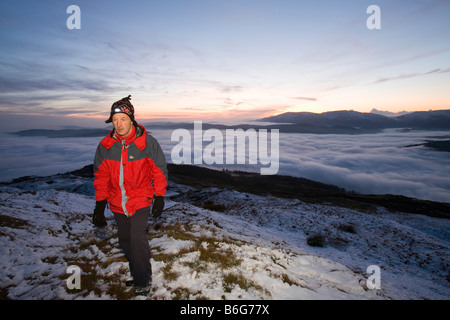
<point x="217" y="244"/>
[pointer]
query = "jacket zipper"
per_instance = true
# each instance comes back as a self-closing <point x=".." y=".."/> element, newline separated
<point x="121" y="180"/>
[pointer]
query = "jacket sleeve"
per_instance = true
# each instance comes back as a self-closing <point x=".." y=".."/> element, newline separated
<point x="101" y="174"/>
<point x="158" y="165"/>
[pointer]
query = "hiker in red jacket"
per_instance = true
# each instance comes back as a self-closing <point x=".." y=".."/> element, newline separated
<point x="130" y="171"/>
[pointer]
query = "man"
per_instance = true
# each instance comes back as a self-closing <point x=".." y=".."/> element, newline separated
<point x="130" y="171"/>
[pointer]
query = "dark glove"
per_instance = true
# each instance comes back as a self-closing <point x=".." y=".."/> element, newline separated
<point x="98" y="218"/>
<point x="158" y="206"/>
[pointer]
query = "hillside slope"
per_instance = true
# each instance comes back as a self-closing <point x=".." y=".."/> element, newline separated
<point x="217" y="243"/>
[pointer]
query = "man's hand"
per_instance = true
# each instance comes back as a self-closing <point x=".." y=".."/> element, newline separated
<point x="158" y="206"/>
<point x="98" y="218"/>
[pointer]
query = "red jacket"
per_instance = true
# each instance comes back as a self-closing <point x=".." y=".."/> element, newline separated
<point x="129" y="175"/>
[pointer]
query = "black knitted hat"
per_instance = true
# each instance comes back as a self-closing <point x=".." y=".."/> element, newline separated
<point x="122" y="106"/>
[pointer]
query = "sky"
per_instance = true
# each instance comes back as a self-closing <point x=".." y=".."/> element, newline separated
<point x="219" y="60"/>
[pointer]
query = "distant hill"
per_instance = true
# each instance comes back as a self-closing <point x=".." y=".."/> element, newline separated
<point x="363" y="122"/>
<point x="425" y="120"/>
<point x="66" y="133"/>
<point x="335" y="118"/>
<point x="388" y="113"/>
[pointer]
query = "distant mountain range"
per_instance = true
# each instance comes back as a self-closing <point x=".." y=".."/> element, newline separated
<point x="65" y="133"/>
<point x="358" y="122"/>
<point x="388" y="113"/>
<point x="334" y="122"/>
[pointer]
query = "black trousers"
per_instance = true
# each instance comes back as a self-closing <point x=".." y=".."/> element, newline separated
<point x="133" y="240"/>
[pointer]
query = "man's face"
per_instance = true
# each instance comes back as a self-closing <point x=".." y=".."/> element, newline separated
<point x="122" y="123"/>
